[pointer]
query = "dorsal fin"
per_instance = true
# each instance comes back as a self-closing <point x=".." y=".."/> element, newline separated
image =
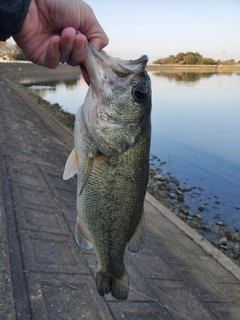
<point x="71" y="166"/>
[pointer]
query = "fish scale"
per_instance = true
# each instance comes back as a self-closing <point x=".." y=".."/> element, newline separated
<point x="111" y="158"/>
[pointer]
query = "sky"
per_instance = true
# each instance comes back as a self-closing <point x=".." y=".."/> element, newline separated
<point x="160" y="28"/>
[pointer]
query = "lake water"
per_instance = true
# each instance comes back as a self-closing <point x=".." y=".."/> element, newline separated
<point x="195" y="129"/>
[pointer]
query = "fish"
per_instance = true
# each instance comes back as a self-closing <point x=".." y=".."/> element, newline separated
<point x="112" y="134"/>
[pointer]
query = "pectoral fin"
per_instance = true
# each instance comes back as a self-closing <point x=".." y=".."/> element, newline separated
<point x="80" y="236"/>
<point x="71" y="166"/>
<point x="136" y="242"/>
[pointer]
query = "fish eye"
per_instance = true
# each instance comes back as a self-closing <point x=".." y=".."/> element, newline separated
<point x="140" y="93"/>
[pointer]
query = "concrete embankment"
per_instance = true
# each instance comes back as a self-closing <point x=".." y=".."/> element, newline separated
<point x="178" y="275"/>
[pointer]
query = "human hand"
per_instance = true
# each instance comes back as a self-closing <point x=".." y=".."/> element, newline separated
<point x="58" y="31"/>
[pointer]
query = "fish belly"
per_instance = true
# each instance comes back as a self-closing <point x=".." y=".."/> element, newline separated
<point x="110" y="210"/>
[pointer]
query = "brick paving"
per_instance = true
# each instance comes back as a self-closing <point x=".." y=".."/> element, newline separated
<point x="44" y="275"/>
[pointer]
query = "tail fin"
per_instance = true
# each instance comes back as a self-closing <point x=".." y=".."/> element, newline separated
<point x="118" y="287"/>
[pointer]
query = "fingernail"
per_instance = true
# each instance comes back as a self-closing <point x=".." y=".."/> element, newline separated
<point x="69" y="41"/>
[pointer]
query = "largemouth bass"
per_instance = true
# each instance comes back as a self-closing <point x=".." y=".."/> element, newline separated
<point x="111" y="158"/>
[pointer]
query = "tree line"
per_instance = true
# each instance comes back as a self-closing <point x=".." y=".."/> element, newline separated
<point x="194" y="58"/>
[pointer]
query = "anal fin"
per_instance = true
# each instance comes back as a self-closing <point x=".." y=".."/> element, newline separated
<point x="81" y="238"/>
<point x="136" y="243"/>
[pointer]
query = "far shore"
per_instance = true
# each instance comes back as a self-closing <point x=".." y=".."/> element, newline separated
<point x="25" y="65"/>
<point x="192" y="68"/>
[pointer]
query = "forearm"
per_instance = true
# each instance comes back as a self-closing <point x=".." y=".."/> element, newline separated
<point x="12" y="15"/>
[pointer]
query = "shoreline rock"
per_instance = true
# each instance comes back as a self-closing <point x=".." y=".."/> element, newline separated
<point x="169" y="192"/>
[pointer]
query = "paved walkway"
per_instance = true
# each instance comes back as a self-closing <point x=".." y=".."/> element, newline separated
<point x="43" y="273"/>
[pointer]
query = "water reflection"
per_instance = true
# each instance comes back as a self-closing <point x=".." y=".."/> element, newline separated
<point x="50" y="80"/>
<point x="184" y="76"/>
<point x="203" y="114"/>
<point x="69" y="92"/>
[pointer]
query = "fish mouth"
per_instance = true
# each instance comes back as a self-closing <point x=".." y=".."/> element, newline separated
<point x="110" y="77"/>
<point x="98" y="64"/>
